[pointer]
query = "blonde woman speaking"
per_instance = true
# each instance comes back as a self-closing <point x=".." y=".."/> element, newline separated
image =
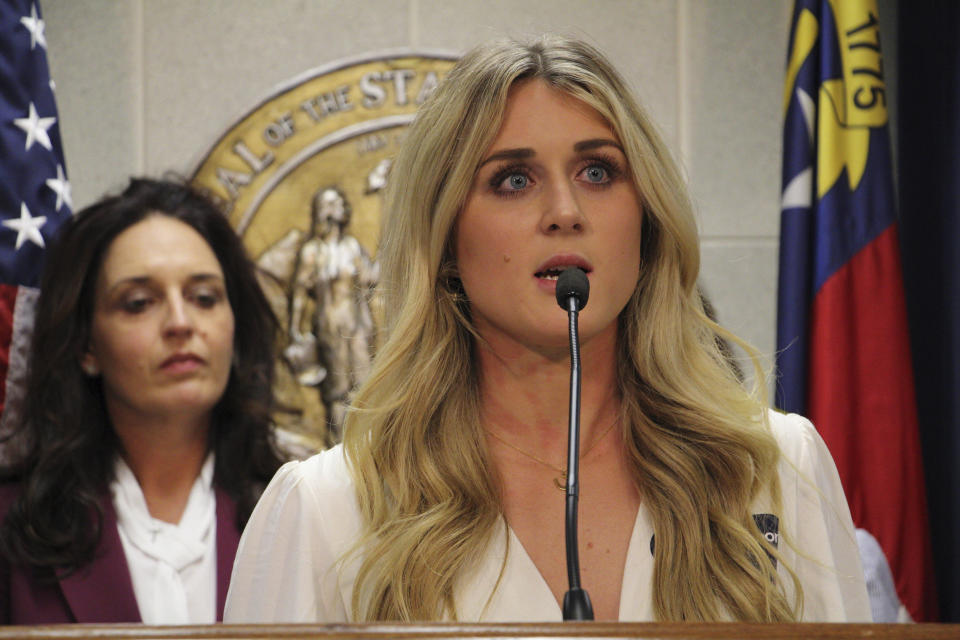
<point x="445" y="500"/>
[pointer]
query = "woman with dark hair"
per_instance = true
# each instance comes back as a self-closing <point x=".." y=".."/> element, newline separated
<point x="146" y="425"/>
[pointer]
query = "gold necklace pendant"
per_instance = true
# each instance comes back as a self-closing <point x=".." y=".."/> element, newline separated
<point x="560" y="481"/>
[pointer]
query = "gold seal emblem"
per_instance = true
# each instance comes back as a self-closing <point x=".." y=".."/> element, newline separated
<point x="301" y="177"/>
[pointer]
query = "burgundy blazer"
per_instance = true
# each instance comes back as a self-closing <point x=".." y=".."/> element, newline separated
<point x="102" y="591"/>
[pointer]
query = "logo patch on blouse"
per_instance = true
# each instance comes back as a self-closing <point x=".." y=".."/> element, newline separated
<point x="768" y="524"/>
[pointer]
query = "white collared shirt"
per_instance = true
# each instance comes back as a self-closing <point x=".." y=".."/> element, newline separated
<point x="288" y="566"/>
<point x="173" y="567"/>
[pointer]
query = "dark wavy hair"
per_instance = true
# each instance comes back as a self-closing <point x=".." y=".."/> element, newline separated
<point x="67" y="463"/>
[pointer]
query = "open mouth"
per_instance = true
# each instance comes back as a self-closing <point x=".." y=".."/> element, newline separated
<point x="552" y="273"/>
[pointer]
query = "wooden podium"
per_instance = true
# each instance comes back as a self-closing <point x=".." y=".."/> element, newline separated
<point x="586" y="630"/>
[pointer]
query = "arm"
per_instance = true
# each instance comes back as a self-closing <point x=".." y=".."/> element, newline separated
<point x="287" y="567"/>
<point x="368" y="271"/>
<point x="7" y="495"/>
<point x="303" y="285"/>
<point x="819" y="544"/>
<point x="4" y="591"/>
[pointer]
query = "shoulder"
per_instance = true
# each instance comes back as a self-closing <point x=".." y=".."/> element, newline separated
<point x="821" y="546"/>
<point x="794" y="433"/>
<point x="8" y="493"/>
<point x="324" y="474"/>
<point x="313" y="500"/>
<point x="318" y="485"/>
<point x="286" y="566"/>
<point x="805" y="458"/>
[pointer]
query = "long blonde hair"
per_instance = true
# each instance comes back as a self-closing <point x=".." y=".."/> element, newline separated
<point x="700" y="446"/>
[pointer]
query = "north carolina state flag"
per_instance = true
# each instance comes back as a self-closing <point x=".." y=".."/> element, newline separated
<point x="842" y="337"/>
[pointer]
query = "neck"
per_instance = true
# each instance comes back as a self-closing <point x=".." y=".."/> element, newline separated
<point x="525" y="394"/>
<point x="166" y="455"/>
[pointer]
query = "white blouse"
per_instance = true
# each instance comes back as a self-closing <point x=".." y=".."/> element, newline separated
<point x="287" y="567"/>
<point x="173" y="567"/>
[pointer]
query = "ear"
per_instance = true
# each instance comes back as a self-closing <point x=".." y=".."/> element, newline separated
<point x="89" y="364"/>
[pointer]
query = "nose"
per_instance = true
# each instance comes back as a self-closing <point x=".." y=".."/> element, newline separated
<point x="179" y="320"/>
<point x="561" y="210"/>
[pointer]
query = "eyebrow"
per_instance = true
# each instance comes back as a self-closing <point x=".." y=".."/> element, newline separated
<point x="509" y="154"/>
<point x="587" y="145"/>
<point x="142" y="280"/>
<point x="526" y="152"/>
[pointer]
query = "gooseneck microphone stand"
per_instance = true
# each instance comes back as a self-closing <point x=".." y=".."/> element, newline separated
<point x="573" y="289"/>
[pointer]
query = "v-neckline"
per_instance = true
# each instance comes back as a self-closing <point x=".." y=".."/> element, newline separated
<point x="522" y="576"/>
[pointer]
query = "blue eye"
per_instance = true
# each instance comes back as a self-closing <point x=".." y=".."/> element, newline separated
<point x="510" y="181"/>
<point x="596" y="174"/>
<point x="600" y="170"/>
<point x="516" y="181"/>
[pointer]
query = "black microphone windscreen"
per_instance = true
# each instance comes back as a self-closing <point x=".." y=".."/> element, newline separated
<point x="573" y="282"/>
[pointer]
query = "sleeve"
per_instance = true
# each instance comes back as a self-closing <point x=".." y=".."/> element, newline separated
<point x="7" y="494"/>
<point x="4" y="591"/>
<point x="884" y="601"/>
<point x="286" y="569"/>
<point x="819" y="532"/>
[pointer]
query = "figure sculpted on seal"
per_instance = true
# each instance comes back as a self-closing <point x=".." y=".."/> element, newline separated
<point x="331" y="347"/>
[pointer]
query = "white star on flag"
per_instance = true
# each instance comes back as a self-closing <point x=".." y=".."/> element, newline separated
<point x="61" y="186"/>
<point x="35" y="26"/>
<point x="36" y="128"/>
<point x="26" y="226"/>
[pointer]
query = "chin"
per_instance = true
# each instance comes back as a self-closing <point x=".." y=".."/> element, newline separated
<point x="190" y="403"/>
<point x="550" y="341"/>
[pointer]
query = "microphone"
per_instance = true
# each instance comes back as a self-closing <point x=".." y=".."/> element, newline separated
<point x="572" y="282"/>
<point x="573" y="289"/>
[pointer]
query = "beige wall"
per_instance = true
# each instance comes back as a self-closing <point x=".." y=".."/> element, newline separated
<point x="144" y="86"/>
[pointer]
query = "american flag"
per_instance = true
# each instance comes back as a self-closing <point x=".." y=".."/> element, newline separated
<point x="34" y="191"/>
